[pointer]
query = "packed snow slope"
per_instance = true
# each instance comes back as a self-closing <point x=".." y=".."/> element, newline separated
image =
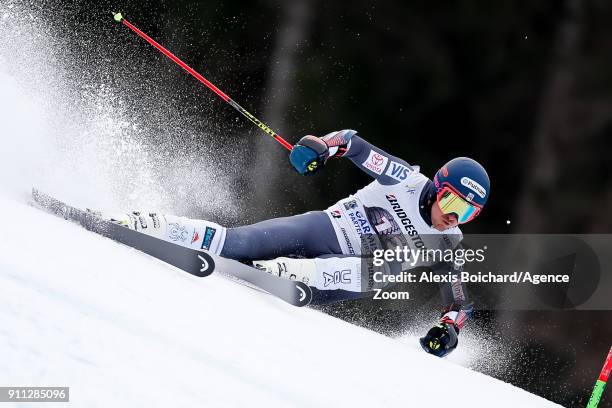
<point x="123" y="329"/>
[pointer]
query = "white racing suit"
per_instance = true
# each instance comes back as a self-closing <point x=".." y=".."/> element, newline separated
<point x="393" y="210"/>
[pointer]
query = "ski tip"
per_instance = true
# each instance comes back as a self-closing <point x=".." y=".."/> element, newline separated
<point x="118" y="17"/>
<point x="304" y="295"/>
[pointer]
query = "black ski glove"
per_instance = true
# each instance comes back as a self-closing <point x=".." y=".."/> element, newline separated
<point x="441" y="339"/>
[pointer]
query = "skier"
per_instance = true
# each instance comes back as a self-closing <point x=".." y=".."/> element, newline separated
<point x="400" y="207"/>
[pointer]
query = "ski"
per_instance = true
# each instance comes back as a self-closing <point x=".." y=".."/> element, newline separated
<point x="296" y="293"/>
<point x="195" y="262"/>
<point x="189" y="260"/>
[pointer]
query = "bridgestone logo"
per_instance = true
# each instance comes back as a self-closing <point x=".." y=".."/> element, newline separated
<point x="410" y="229"/>
<point x="474" y="186"/>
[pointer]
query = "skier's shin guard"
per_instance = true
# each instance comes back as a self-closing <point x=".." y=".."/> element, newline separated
<point x="323" y="273"/>
<point x="187" y="232"/>
<point x="195" y="234"/>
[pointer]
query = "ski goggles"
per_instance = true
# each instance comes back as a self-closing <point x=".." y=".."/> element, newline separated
<point x="451" y="201"/>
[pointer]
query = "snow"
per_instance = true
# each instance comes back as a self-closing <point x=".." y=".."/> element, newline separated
<point x="123" y="329"/>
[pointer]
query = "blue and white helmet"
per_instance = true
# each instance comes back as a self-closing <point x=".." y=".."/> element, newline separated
<point x="465" y="178"/>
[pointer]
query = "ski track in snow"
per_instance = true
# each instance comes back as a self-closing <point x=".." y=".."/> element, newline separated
<point x="123" y="329"/>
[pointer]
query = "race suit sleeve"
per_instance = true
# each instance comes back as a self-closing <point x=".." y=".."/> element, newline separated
<point x="385" y="168"/>
<point x="454" y="294"/>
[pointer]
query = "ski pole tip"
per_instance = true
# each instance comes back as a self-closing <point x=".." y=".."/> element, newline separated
<point x="118" y="17"/>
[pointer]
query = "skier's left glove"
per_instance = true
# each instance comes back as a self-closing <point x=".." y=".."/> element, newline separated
<point x="309" y="155"/>
<point x="441" y="339"/>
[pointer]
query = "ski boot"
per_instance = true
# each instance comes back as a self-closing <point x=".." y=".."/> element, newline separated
<point x="295" y="269"/>
<point x="191" y="233"/>
<point x="148" y="222"/>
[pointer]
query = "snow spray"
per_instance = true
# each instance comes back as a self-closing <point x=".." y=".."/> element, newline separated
<point x="119" y="18"/>
<point x="70" y="124"/>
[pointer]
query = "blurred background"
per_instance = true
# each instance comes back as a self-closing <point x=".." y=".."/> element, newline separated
<point x="523" y="87"/>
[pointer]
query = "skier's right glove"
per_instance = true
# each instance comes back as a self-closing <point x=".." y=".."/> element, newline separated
<point x="441" y="339"/>
<point x="309" y="155"/>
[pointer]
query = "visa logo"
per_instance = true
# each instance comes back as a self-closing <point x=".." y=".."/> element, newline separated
<point x="398" y="171"/>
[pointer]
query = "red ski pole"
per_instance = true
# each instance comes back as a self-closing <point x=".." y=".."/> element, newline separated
<point x="119" y="18"/>
<point x="601" y="382"/>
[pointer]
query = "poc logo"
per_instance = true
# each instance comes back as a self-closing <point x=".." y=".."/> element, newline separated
<point x="343" y="276"/>
<point x="398" y="171"/>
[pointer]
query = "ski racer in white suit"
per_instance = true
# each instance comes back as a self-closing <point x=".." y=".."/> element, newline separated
<point x="401" y="207"/>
